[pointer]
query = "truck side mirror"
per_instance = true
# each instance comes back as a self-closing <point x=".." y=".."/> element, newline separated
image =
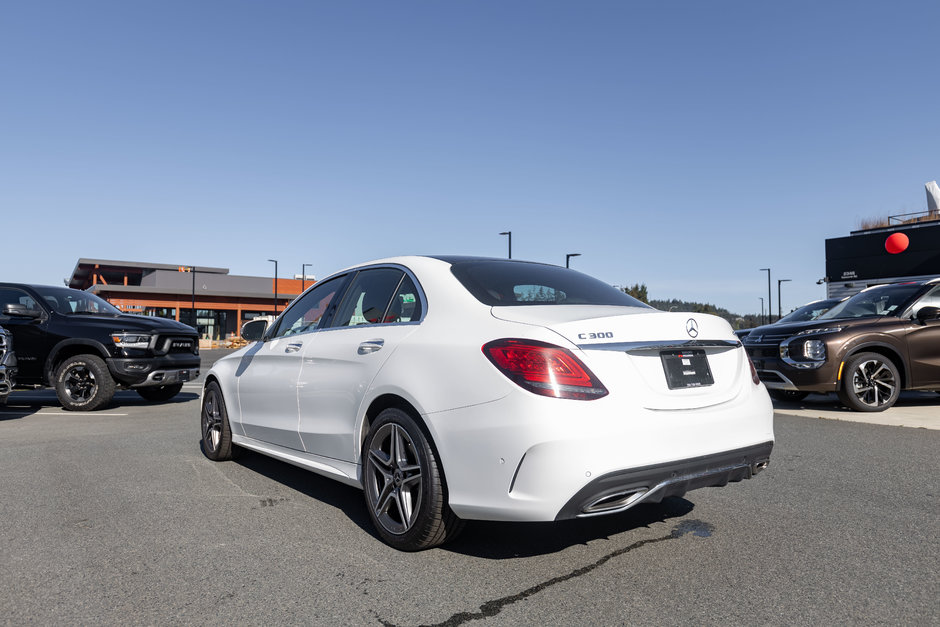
<point x="17" y="310"/>
<point x="253" y="330"/>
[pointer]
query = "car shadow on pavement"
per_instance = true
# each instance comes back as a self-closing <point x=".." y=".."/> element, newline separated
<point x="487" y="540"/>
<point x="503" y="540"/>
<point x="24" y="403"/>
<point x="831" y="402"/>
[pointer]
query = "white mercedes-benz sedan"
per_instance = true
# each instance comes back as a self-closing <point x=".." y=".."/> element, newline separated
<point x="455" y="388"/>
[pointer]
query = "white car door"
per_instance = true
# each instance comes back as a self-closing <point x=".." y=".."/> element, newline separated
<point x="381" y="307"/>
<point x="268" y="376"/>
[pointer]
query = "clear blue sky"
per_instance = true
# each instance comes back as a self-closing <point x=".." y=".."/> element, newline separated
<point x="683" y="145"/>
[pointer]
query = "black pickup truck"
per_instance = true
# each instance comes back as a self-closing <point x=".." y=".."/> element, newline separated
<point x="86" y="348"/>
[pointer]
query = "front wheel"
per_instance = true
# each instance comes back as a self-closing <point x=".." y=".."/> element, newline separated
<point x="83" y="383"/>
<point x="870" y="382"/>
<point x="404" y="487"/>
<point x="159" y="393"/>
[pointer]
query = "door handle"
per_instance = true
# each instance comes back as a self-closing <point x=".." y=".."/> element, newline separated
<point x="371" y="346"/>
<point x="293" y="347"/>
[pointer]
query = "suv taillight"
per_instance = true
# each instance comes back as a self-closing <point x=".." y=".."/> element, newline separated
<point x="544" y="369"/>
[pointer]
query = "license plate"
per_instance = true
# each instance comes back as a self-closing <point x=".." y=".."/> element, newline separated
<point x="686" y="369"/>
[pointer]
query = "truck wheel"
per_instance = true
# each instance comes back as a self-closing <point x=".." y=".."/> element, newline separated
<point x="870" y="382"/>
<point x="83" y="383"/>
<point x="159" y="393"/>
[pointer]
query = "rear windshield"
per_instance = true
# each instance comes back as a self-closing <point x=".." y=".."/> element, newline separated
<point x="496" y="282"/>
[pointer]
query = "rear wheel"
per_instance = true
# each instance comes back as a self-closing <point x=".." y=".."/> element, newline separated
<point x="870" y="382"/>
<point x="404" y="487"/>
<point x="159" y="393"/>
<point x="792" y="396"/>
<point x="83" y="383"/>
<point x="216" y="430"/>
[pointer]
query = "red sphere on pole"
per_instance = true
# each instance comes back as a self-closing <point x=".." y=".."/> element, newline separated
<point x="897" y="243"/>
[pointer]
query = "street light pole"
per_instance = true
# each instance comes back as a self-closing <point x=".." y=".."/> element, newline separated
<point x="303" y="275"/>
<point x="770" y="304"/>
<point x="761" y="309"/>
<point x="569" y="256"/>
<point x="274" y="261"/>
<point x="779" y="300"/>
<point x="509" y="233"/>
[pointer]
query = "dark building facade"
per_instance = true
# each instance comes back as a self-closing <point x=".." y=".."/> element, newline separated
<point x="883" y="255"/>
<point x="210" y="299"/>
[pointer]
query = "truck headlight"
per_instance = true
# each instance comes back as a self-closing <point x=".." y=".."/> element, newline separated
<point x="130" y="340"/>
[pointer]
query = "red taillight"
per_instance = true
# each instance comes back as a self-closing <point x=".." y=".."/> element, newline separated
<point x="754" y="376"/>
<point x="544" y="369"/>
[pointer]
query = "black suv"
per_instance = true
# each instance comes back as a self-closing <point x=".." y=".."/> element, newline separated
<point x="866" y="349"/>
<point x="85" y="347"/>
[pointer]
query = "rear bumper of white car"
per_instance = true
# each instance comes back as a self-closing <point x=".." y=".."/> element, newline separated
<point x="526" y="459"/>
<point x="621" y="490"/>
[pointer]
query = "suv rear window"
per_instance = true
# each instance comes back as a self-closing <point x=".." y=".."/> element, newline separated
<point x="496" y="282"/>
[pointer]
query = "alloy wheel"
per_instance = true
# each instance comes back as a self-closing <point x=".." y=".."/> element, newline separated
<point x="80" y="383"/>
<point x="395" y="479"/>
<point x="873" y="383"/>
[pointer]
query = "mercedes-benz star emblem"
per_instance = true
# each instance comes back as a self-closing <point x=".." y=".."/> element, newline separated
<point x="691" y="327"/>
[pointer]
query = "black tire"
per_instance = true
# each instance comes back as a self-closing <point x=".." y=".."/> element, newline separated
<point x="83" y="383"/>
<point x="405" y="491"/>
<point x="159" y="393"/>
<point x="216" y="430"/>
<point x="870" y="382"/>
<point x="792" y="396"/>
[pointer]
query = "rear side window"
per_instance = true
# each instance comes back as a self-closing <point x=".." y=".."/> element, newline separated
<point x="496" y="282"/>
<point x="368" y="299"/>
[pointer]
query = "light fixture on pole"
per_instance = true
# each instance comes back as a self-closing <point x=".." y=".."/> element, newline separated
<point x="274" y="261"/>
<point x="569" y="256"/>
<point x="770" y="305"/>
<point x="509" y="233"/>
<point x="779" y="300"/>
<point x="303" y="274"/>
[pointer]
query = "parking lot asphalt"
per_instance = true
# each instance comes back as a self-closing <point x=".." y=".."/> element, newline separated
<point x="115" y="517"/>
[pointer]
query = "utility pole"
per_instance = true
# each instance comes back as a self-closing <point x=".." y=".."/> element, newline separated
<point x="274" y="261"/>
<point x="509" y="233"/>
<point x="770" y="306"/>
<point x="780" y="300"/>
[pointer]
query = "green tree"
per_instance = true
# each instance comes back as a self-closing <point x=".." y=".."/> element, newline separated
<point x="637" y="291"/>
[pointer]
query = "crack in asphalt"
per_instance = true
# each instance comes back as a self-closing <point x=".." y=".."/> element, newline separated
<point x="492" y="608"/>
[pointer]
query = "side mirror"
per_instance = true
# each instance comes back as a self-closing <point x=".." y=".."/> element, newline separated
<point x="253" y="330"/>
<point x="17" y="310"/>
<point x="928" y="313"/>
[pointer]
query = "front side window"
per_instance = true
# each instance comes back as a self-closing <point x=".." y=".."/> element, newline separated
<point x="368" y="299"/>
<point x="12" y="296"/>
<point x="930" y="299"/>
<point x="310" y="310"/>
